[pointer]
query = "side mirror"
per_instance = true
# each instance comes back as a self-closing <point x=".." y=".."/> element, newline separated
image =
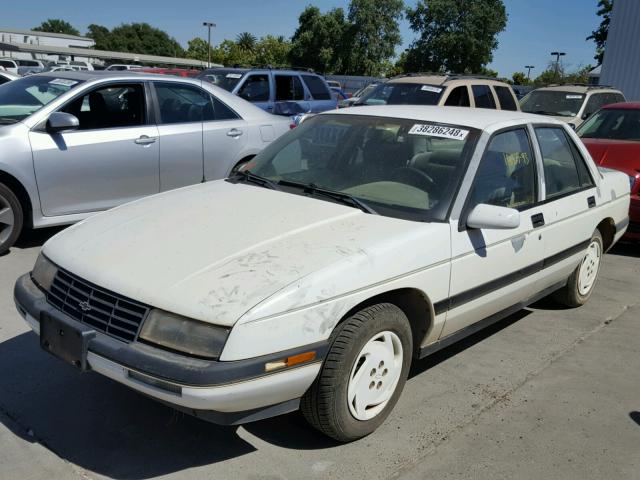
<point x="493" y="217"/>
<point x="60" y="122"/>
<point x="585" y="115"/>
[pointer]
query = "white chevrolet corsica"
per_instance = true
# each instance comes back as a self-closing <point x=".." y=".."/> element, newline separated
<point x="353" y="244"/>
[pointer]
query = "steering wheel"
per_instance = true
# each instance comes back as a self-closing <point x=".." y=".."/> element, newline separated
<point x="414" y="177"/>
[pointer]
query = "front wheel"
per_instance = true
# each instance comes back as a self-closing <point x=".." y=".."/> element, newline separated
<point x="363" y="375"/>
<point x="583" y="279"/>
<point x="11" y="218"/>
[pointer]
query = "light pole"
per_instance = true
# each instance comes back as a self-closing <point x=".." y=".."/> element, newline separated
<point x="558" y="55"/>
<point x="529" y="67"/>
<point x="208" y="25"/>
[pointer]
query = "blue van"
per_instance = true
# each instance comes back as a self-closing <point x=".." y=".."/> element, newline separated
<point x="274" y="90"/>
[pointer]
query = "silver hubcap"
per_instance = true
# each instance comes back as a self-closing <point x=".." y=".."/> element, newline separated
<point x="375" y="375"/>
<point x="7" y="220"/>
<point x="589" y="268"/>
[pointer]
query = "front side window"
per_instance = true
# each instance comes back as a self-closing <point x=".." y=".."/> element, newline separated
<point x="483" y="96"/>
<point x="459" y="97"/>
<point x="506" y="176"/>
<point x="182" y="103"/>
<point x="317" y="87"/>
<point x="112" y="106"/>
<point x="20" y="98"/>
<point x="506" y="99"/>
<point x="614" y="124"/>
<point x="402" y="168"/>
<point x="553" y="102"/>
<point x="564" y="168"/>
<point x="288" y="87"/>
<point x="255" y="88"/>
<point x="403" y="94"/>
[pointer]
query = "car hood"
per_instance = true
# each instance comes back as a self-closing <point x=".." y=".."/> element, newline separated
<point x="619" y="154"/>
<point x="214" y="251"/>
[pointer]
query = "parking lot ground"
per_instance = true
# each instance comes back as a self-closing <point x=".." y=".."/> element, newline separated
<point x="546" y="393"/>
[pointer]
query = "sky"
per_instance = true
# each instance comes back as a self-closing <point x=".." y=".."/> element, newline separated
<point x="534" y="28"/>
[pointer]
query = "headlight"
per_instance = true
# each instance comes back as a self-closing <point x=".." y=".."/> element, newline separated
<point x="44" y="272"/>
<point x="184" y="334"/>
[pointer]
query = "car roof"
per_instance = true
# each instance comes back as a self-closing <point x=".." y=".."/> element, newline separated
<point x="623" y="106"/>
<point x="264" y="69"/>
<point x="480" y="118"/>
<point x="434" y="79"/>
<point x="89" y="75"/>
<point x="577" y="88"/>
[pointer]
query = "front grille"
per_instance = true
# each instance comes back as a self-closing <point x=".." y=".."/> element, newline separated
<point x="105" y="311"/>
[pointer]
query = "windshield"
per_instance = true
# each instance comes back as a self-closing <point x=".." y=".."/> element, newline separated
<point x="552" y="102"/>
<point x="397" y="167"/>
<point x="22" y="97"/>
<point x="403" y="94"/>
<point x="612" y="124"/>
<point x="226" y="79"/>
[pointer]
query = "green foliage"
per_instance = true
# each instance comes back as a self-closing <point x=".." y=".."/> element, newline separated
<point x="454" y="35"/>
<point x="55" y="25"/>
<point x="269" y="50"/>
<point x="197" y="49"/>
<point x="371" y="36"/>
<point x="520" y="78"/>
<point x="272" y="51"/>
<point x="599" y="36"/>
<point x="581" y="75"/>
<point x="136" y="38"/>
<point x="246" y="41"/>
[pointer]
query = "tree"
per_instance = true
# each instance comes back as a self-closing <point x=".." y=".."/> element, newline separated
<point x="246" y="41"/>
<point x="599" y="36"/>
<point x="55" y="25"/>
<point x="197" y="48"/>
<point x="318" y="41"/>
<point x="99" y="34"/>
<point x="520" y="78"/>
<point x="272" y="51"/>
<point x="137" y="38"/>
<point x="454" y="35"/>
<point x="372" y="35"/>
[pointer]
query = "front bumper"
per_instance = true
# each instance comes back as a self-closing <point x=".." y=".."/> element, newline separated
<point x="223" y="392"/>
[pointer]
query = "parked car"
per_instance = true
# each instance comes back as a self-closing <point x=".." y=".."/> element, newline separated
<point x="60" y="68"/>
<point x="612" y="136"/>
<point x="119" y="67"/>
<point x="333" y="84"/>
<point x="267" y="87"/>
<point x="521" y="90"/>
<point x="443" y="90"/>
<point x="29" y="67"/>
<point x="75" y="143"/>
<point x="178" y="72"/>
<point x="339" y="94"/>
<point x="9" y="65"/>
<point x="7" y="77"/>
<point x="357" y="96"/>
<point x="571" y="103"/>
<point x="359" y="241"/>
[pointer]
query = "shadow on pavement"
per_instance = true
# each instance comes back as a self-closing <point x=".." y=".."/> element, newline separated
<point x="626" y="249"/>
<point x="36" y="238"/>
<point x="635" y="416"/>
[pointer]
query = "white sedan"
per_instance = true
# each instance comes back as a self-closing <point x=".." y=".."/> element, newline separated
<point x="355" y="243"/>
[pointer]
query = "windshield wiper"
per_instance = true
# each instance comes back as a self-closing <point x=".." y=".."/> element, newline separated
<point x="553" y="114"/>
<point x="247" y="176"/>
<point x="8" y="121"/>
<point x="341" y="197"/>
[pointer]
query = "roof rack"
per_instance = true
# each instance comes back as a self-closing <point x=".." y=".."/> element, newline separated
<point x="571" y="84"/>
<point x="448" y="76"/>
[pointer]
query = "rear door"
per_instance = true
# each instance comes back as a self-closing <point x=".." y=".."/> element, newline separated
<point x="483" y="97"/>
<point x="111" y="159"/>
<point x="321" y="98"/>
<point x="289" y="88"/>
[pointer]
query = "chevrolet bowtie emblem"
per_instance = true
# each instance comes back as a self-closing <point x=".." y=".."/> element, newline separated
<point x="84" y="306"/>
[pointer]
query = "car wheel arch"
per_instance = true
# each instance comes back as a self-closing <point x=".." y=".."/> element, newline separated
<point x="414" y="303"/>
<point x="607" y="229"/>
<point x="21" y="192"/>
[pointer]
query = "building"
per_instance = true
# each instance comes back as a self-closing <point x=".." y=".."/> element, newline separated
<point x="42" y="39"/>
<point x="621" y="65"/>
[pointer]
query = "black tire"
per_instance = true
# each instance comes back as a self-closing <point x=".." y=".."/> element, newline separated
<point x="325" y="405"/>
<point x="570" y="295"/>
<point x="9" y="232"/>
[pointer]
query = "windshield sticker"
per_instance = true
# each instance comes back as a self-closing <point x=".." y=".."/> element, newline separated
<point x="573" y="97"/>
<point x="429" y="88"/>
<point x="65" y="82"/>
<point x="234" y="75"/>
<point x="439" y="131"/>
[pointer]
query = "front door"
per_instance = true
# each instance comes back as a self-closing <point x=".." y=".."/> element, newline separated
<point x="111" y="159"/>
<point x="492" y="270"/>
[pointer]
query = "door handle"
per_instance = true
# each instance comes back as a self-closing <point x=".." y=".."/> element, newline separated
<point x="537" y="220"/>
<point x="234" y="132"/>
<point x="145" y="140"/>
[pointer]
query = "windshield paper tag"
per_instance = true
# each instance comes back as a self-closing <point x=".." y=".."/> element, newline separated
<point x="63" y="81"/>
<point x="573" y="97"/>
<point x="234" y="75"/>
<point x="439" y="131"/>
<point x="429" y="88"/>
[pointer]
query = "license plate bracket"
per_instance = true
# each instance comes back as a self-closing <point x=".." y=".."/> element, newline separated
<point x="65" y="340"/>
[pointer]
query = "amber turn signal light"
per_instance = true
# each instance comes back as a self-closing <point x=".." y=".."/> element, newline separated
<point x="290" y="361"/>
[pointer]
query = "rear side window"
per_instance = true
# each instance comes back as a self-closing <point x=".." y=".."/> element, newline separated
<point x="3" y="80"/>
<point x="255" y="88"/>
<point x="459" y="97"/>
<point x="288" y="87"/>
<point x="483" y="96"/>
<point x="564" y="168"/>
<point x="506" y="98"/>
<point x="317" y="87"/>
<point x="180" y="103"/>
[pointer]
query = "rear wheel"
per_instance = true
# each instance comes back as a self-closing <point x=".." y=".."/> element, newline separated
<point x="11" y="218"/>
<point x="583" y="279"/>
<point x="363" y="375"/>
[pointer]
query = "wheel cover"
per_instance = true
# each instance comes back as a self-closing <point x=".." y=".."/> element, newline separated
<point x="375" y="375"/>
<point x="589" y="268"/>
<point x="7" y="219"/>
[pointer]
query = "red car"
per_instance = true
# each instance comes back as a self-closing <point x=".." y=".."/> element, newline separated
<point x="178" y="72"/>
<point x="612" y="136"/>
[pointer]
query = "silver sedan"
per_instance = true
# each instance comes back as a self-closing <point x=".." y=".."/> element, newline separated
<point x="76" y="143"/>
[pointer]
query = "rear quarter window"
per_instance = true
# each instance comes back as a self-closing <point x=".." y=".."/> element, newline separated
<point x="317" y="87"/>
<point x="505" y="98"/>
<point x="483" y="96"/>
